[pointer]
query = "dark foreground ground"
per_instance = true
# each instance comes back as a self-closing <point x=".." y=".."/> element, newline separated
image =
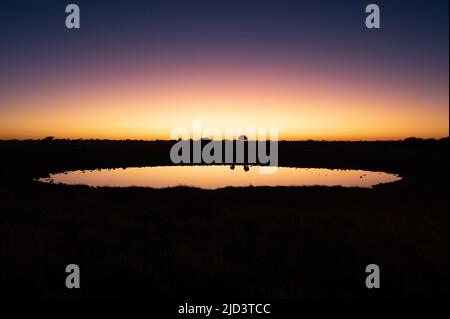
<point x="297" y="242"/>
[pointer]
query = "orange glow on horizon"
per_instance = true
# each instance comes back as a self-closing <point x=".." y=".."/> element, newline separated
<point x="302" y="104"/>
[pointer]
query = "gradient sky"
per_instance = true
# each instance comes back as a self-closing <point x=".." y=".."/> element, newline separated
<point x="138" y="69"/>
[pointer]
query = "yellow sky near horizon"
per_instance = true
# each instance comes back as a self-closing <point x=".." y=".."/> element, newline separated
<point x="141" y="105"/>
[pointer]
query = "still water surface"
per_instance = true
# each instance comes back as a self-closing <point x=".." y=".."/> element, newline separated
<point x="213" y="177"/>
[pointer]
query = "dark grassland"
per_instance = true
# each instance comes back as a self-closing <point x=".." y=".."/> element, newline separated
<point x="282" y="242"/>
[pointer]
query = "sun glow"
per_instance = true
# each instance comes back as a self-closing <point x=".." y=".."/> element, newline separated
<point x="302" y="103"/>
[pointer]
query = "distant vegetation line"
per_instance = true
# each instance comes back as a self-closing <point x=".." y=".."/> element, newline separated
<point x="51" y="138"/>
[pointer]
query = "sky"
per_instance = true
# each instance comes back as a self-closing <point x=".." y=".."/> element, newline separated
<point x="139" y="69"/>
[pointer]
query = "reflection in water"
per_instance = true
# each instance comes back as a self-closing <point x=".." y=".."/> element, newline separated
<point x="218" y="176"/>
<point x="246" y="167"/>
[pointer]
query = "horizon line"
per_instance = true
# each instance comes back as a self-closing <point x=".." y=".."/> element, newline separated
<point x="55" y="139"/>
